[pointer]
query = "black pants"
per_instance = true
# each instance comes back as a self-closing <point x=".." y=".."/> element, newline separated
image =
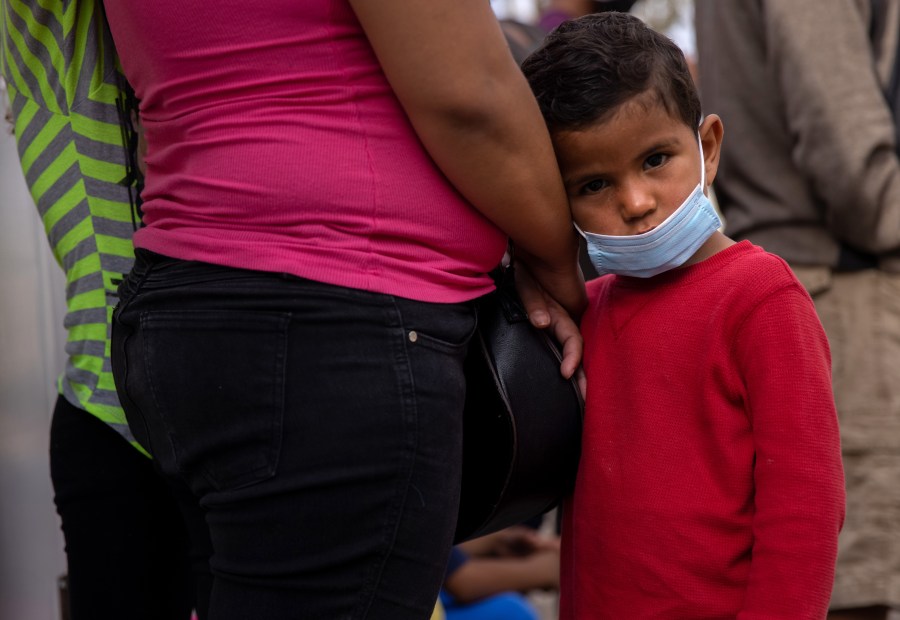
<point x="126" y="541"/>
<point x="319" y="427"/>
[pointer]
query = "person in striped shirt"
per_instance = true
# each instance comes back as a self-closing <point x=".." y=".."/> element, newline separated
<point x="126" y="542"/>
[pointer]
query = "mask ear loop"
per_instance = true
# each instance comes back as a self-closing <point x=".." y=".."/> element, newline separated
<point x="702" y="163"/>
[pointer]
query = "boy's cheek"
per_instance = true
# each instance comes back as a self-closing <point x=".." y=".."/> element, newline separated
<point x="585" y="218"/>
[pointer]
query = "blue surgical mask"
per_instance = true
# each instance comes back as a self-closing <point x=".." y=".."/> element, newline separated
<point x="666" y="247"/>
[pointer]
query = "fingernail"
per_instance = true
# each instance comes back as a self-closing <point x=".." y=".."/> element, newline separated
<point x="540" y="318"/>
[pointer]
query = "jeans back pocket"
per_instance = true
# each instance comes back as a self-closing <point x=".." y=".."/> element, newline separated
<point x="217" y="380"/>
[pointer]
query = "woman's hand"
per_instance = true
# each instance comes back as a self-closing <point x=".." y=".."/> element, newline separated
<point x="563" y="285"/>
<point x="544" y="312"/>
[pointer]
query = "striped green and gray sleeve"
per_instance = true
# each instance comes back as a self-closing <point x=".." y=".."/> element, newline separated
<point x="64" y="82"/>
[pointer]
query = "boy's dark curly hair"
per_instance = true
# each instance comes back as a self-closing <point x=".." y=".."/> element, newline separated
<point x="589" y="66"/>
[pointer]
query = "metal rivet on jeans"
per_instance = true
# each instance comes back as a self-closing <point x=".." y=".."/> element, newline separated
<point x="413" y="336"/>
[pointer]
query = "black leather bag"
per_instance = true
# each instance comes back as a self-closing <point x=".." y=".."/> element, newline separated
<point x="522" y="421"/>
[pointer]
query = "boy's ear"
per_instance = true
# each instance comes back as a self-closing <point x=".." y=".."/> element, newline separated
<point x="711" y="132"/>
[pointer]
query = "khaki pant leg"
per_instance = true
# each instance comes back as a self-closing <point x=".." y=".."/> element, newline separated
<point x="861" y="315"/>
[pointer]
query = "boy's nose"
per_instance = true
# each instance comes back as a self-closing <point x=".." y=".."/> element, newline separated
<point x="636" y="204"/>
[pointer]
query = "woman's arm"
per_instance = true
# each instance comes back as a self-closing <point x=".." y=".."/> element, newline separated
<point x="450" y="67"/>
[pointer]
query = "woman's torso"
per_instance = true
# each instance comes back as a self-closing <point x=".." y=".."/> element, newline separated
<point x="276" y="143"/>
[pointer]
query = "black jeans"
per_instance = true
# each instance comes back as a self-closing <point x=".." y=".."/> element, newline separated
<point x="319" y="427"/>
<point x="126" y="542"/>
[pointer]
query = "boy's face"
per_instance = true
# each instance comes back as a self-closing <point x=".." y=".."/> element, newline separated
<point x="628" y="173"/>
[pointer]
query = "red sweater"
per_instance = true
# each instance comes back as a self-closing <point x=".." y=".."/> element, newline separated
<point x="711" y="483"/>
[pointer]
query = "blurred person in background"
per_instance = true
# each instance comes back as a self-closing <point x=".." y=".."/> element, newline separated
<point x="557" y="11"/>
<point x="523" y="38"/>
<point x="126" y="544"/>
<point x="489" y="577"/>
<point x="808" y="90"/>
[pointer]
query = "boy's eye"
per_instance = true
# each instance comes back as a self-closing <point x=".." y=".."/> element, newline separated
<point x="655" y="160"/>
<point x="593" y="187"/>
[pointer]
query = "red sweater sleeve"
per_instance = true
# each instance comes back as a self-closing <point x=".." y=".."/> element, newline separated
<point x="783" y="356"/>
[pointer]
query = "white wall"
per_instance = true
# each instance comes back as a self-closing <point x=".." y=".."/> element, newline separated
<point x="32" y="305"/>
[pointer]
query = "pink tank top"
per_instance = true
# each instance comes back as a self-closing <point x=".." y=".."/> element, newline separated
<point x="275" y="143"/>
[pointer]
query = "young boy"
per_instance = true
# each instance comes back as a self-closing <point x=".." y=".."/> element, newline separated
<point x="710" y="483"/>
